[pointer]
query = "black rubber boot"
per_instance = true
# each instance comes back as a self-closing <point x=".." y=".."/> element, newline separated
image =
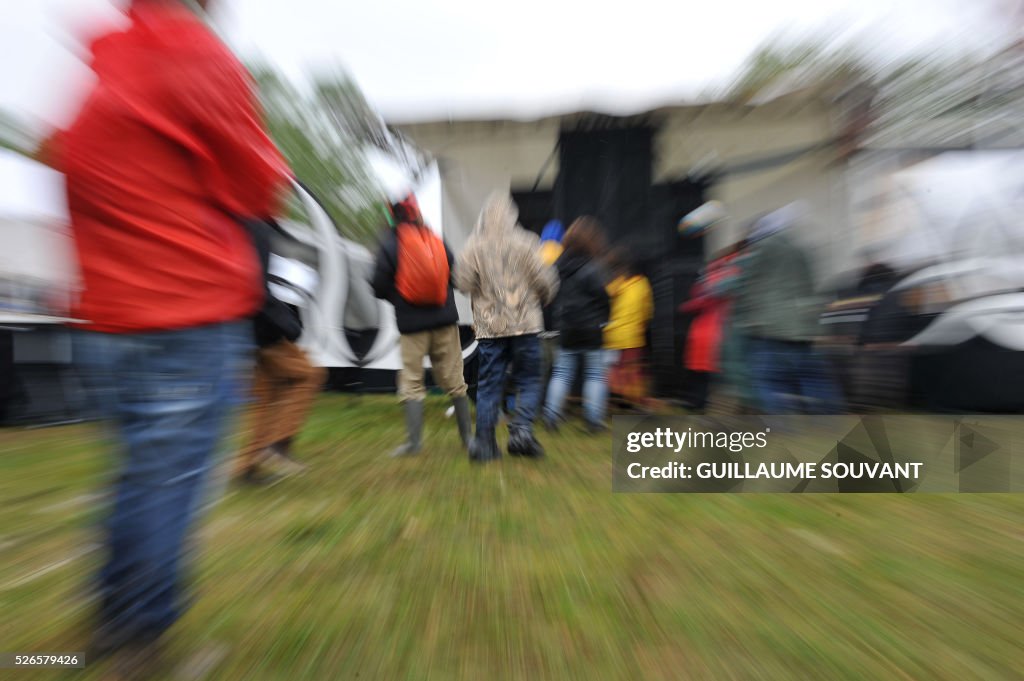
<point x="484" y="448"/>
<point x="521" y="442"/>
<point x="463" y="420"/>
<point x="413" y="429"/>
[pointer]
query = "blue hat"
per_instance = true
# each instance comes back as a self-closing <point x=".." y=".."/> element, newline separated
<point x="699" y="220"/>
<point x="553" y="231"/>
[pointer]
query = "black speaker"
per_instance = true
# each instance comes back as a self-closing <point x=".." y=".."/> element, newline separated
<point x="606" y="170"/>
<point x="8" y="386"/>
<point x="606" y="173"/>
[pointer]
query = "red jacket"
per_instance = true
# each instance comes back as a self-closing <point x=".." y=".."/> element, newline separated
<point x="166" y="152"/>
<point x="711" y="308"/>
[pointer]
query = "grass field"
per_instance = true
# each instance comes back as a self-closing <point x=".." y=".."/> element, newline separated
<point x="429" y="568"/>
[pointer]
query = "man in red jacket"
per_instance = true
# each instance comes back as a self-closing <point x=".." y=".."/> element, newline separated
<point x="165" y="157"/>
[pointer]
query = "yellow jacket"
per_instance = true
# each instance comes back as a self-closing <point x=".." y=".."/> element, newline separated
<point x="632" y="306"/>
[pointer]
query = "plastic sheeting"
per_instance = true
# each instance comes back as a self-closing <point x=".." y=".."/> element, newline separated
<point x="956" y="206"/>
<point x="30" y="190"/>
<point x="37" y="263"/>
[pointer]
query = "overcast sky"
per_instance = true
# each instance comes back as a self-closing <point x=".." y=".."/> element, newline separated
<point x="429" y="58"/>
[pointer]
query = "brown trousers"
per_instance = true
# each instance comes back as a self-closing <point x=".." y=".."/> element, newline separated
<point x="445" y="351"/>
<point x="285" y="386"/>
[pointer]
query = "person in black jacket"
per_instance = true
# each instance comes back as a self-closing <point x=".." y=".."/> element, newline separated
<point x="285" y="384"/>
<point x="581" y="311"/>
<point x="426" y="330"/>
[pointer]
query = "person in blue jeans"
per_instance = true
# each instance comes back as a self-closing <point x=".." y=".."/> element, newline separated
<point x="166" y="396"/>
<point x="165" y="158"/>
<point x="581" y="311"/>
<point x="779" y="308"/>
<point x="791" y="377"/>
<point x="522" y="355"/>
<point x="501" y="270"/>
<point x="596" y="364"/>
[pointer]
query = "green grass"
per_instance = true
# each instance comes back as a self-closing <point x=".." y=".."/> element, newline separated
<point x="429" y="568"/>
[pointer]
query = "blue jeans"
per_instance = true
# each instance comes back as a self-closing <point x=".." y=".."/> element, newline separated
<point x="167" y="395"/>
<point x="792" y="378"/>
<point x="238" y="395"/>
<point x="595" y="383"/>
<point x="523" y="352"/>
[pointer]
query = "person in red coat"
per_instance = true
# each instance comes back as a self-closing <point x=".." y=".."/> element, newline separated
<point x="166" y="157"/>
<point x="710" y="307"/>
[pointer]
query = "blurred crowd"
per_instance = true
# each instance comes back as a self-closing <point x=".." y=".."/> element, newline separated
<point x="753" y="315"/>
<point x="173" y="187"/>
<point x="752" y="344"/>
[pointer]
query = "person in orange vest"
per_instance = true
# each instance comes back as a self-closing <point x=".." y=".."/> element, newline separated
<point x="413" y="273"/>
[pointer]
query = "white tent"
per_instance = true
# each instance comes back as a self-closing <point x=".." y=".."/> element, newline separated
<point x="954" y="207"/>
<point x="959" y="217"/>
<point x="344" y="301"/>
<point x="37" y="266"/>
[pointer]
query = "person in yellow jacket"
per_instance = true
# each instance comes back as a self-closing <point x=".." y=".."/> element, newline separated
<point x="632" y="307"/>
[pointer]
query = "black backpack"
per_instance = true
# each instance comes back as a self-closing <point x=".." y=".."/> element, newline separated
<point x="276" y="320"/>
